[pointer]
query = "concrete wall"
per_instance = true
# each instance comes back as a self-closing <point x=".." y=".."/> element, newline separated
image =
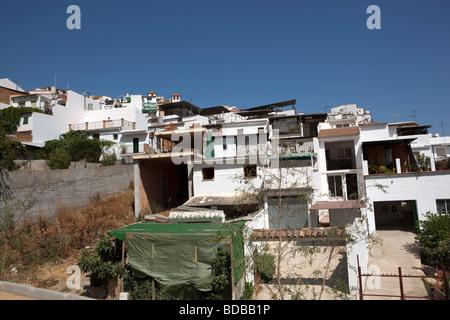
<point x="75" y="187"/>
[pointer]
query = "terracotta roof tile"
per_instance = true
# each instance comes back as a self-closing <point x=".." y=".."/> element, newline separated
<point x="303" y="233"/>
<point x="337" y="132"/>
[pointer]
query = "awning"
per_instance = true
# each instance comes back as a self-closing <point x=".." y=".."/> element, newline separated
<point x="181" y="254"/>
<point x="330" y="205"/>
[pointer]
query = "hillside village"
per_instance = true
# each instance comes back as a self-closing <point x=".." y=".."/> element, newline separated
<point x="273" y="174"/>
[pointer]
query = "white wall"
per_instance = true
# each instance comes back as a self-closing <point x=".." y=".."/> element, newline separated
<point x="425" y="188"/>
<point x="224" y="179"/>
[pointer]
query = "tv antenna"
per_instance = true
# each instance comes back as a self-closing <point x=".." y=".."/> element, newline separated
<point x="413" y="115"/>
<point x="443" y="132"/>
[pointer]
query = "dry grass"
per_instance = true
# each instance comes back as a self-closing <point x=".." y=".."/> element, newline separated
<point x="36" y="244"/>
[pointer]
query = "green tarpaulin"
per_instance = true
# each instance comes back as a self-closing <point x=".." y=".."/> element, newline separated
<point x="181" y="253"/>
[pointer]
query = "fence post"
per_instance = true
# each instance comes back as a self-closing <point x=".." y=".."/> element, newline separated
<point x="402" y="294"/>
<point x="444" y="277"/>
<point x="360" y="280"/>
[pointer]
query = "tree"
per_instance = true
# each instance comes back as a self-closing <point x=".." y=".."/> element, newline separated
<point x="433" y="236"/>
<point x="10" y="150"/>
<point x="78" y="146"/>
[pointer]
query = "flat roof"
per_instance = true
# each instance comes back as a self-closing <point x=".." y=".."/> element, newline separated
<point x="176" y="228"/>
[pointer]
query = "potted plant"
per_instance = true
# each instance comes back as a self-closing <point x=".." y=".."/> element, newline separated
<point x="422" y="161"/>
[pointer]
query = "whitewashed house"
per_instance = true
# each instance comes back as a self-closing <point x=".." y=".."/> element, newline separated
<point x="36" y="128"/>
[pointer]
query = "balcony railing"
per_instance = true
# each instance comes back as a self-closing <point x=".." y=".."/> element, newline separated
<point x="297" y="145"/>
<point x="104" y="124"/>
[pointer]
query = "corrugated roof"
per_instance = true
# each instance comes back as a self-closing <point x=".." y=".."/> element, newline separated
<point x="337" y="132"/>
<point x="217" y="200"/>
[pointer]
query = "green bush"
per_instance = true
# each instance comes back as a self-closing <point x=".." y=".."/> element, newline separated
<point x="104" y="263"/>
<point x="434" y="238"/>
<point x="59" y="159"/>
<point x="9" y="151"/>
<point x="78" y="145"/>
<point x="109" y="160"/>
<point x="265" y="264"/>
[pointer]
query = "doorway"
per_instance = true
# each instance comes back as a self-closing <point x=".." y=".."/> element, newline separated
<point x="396" y="215"/>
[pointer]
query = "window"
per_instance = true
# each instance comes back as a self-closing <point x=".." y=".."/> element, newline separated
<point x="443" y="206"/>
<point x="25" y="120"/>
<point x="440" y="152"/>
<point x="335" y="186"/>
<point x="115" y="136"/>
<point x="208" y="173"/>
<point x="250" y="170"/>
<point x="224" y="143"/>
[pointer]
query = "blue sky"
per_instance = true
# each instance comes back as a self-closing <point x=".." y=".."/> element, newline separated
<point x="243" y="53"/>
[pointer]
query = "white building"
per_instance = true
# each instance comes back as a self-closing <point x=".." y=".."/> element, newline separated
<point x="36" y="128"/>
<point x="125" y="126"/>
<point x="362" y="115"/>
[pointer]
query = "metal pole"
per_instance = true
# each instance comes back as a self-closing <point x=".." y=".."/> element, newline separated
<point x="402" y="294"/>
<point x="444" y="278"/>
<point x="233" y="296"/>
<point x="360" y="280"/>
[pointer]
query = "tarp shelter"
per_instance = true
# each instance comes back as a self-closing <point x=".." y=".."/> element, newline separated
<point x="179" y="254"/>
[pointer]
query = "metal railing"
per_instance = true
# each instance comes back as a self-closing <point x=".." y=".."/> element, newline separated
<point x="104" y="124"/>
<point x="383" y="286"/>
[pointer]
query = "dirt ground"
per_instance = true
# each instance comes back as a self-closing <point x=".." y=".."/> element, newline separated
<point x="10" y="296"/>
<point x="54" y="276"/>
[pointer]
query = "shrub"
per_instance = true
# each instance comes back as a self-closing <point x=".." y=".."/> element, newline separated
<point x="59" y="159"/>
<point x="109" y="160"/>
<point x="9" y="151"/>
<point x="104" y="263"/>
<point x="78" y="145"/>
<point x="434" y="238"/>
<point x="265" y="264"/>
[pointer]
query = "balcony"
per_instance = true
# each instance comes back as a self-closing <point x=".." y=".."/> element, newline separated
<point x="104" y="125"/>
<point x="296" y="145"/>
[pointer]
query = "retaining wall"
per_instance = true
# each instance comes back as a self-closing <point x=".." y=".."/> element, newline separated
<point x="76" y="186"/>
